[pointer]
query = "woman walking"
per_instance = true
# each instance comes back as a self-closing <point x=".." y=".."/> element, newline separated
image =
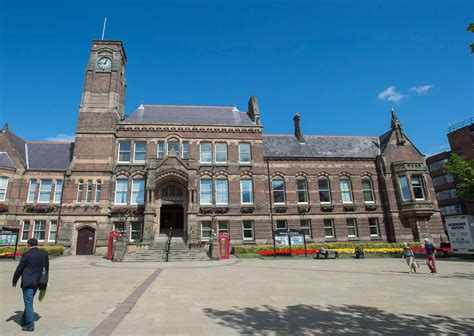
<point x="409" y="257"/>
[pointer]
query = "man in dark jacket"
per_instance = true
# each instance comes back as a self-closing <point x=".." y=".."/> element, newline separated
<point x="30" y="269"/>
<point x="430" y="250"/>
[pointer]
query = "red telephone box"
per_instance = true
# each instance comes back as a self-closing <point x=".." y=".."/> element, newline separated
<point x="224" y="245"/>
<point x="112" y="235"/>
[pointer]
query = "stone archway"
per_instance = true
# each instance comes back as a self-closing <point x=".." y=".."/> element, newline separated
<point x="172" y="200"/>
<point x="83" y="230"/>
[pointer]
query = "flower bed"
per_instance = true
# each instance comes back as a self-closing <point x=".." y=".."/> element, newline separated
<point x="381" y="250"/>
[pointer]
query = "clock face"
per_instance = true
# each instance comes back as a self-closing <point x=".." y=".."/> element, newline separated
<point x="105" y="63"/>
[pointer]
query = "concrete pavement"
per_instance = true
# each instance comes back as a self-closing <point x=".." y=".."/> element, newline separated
<point x="89" y="295"/>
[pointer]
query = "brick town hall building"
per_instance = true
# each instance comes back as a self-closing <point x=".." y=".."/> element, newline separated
<point x="198" y="168"/>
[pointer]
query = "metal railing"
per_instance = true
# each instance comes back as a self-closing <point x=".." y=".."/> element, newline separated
<point x="461" y="124"/>
<point x="166" y="250"/>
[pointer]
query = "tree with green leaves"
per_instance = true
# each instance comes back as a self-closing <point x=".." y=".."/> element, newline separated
<point x="463" y="172"/>
<point x="470" y="28"/>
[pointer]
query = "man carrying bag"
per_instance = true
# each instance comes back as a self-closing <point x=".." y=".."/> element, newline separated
<point x="33" y="269"/>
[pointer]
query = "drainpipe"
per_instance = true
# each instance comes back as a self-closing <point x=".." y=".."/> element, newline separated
<point x="270" y="200"/>
<point x="60" y="207"/>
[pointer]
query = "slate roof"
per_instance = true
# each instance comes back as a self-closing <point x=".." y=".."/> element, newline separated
<point x="49" y="155"/>
<point x="287" y="146"/>
<point x="188" y="115"/>
<point x="19" y="145"/>
<point x="5" y="161"/>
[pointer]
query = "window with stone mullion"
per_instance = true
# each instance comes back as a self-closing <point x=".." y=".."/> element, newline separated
<point x="246" y="191"/>
<point x="39" y="230"/>
<point x="124" y="151"/>
<point x="221" y="152"/>
<point x="45" y="191"/>
<point x="205" y="192"/>
<point x="329" y="231"/>
<point x="138" y="191"/>
<point x="121" y="191"/>
<point x="222" y="192"/>
<point x="245" y="155"/>
<point x="404" y="188"/>
<point x="139" y="153"/>
<point x="205" y="155"/>
<point x="417" y="185"/>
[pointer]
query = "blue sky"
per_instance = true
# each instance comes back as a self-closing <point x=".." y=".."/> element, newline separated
<point x="341" y="64"/>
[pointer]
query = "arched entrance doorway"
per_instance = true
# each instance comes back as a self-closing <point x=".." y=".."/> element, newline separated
<point x="85" y="241"/>
<point x="172" y="212"/>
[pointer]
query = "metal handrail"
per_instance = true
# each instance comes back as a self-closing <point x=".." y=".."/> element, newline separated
<point x="461" y="124"/>
<point x="166" y="250"/>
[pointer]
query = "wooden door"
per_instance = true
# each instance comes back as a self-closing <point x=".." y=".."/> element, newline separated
<point x="85" y="241"/>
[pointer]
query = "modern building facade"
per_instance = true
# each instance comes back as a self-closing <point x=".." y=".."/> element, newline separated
<point x="460" y="138"/>
<point x="205" y="169"/>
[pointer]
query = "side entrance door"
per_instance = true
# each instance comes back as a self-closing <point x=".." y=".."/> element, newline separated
<point x="85" y="241"/>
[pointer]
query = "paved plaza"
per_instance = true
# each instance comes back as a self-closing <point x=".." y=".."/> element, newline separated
<point x="91" y="296"/>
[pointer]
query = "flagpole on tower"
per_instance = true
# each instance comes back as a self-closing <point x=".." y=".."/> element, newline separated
<point x="103" y="29"/>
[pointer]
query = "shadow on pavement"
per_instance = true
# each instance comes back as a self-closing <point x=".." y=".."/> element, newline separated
<point x="18" y="315"/>
<point x="346" y="319"/>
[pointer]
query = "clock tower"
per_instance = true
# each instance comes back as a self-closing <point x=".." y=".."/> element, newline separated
<point x="102" y="107"/>
<point x="103" y="96"/>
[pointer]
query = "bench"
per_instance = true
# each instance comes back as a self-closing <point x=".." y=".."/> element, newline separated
<point x="326" y="254"/>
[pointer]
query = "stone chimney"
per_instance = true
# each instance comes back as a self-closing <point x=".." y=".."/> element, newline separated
<point x="254" y="111"/>
<point x="298" y="133"/>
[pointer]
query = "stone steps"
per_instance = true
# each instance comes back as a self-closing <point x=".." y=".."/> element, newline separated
<point x="179" y="251"/>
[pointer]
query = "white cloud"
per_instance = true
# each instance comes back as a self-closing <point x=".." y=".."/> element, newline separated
<point x="423" y="89"/>
<point x="61" y="138"/>
<point x="391" y="94"/>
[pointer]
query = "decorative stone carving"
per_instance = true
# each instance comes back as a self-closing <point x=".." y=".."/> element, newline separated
<point x="327" y="207"/>
<point x="349" y="207"/>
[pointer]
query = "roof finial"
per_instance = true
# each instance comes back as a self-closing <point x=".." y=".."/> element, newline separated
<point x="254" y="111"/>
<point x="396" y="126"/>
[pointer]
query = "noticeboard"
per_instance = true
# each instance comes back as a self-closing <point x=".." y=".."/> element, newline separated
<point x="8" y="239"/>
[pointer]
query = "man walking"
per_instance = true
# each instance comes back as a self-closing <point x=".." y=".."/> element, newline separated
<point x="430" y="256"/>
<point x="30" y="269"/>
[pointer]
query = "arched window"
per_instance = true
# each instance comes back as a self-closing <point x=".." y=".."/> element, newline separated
<point x="367" y="190"/>
<point x="302" y="190"/>
<point x="346" y="190"/>
<point x="246" y="191"/>
<point x="222" y="191"/>
<point x="278" y="186"/>
<point x="324" y="190"/>
<point x="205" y="191"/>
